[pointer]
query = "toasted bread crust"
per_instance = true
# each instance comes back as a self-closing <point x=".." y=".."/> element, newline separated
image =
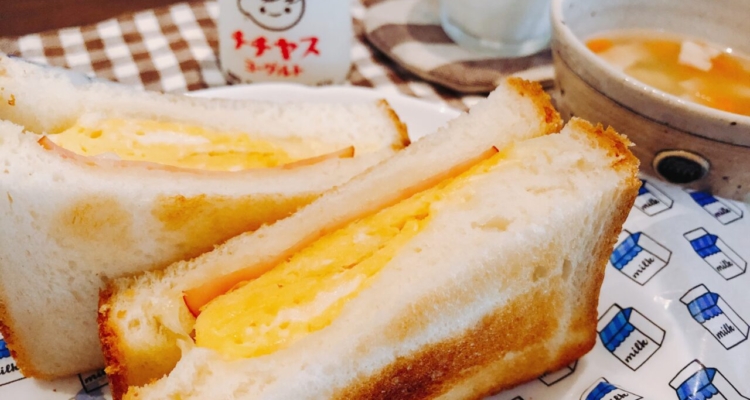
<point x="17" y="351"/>
<point x="403" y="132"/>
<point x="113" y="356"/>
<point x="582" y="327"/>
<point x="625" y="162"/>
<point x="541" y="100"/>
<point x="124" y="365"/>
<point x="431" y="371"/>
<point x="614" y="143"/>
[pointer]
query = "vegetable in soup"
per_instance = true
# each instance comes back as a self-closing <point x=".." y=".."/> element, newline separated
<point x="694" y="70"/>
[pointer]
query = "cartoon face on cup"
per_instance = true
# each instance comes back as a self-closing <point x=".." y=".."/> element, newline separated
<point x="274" y="15"/>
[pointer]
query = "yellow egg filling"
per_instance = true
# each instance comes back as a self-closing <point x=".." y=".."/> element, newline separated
<point x="308" y="291"/>
<point x="183" y="145"/>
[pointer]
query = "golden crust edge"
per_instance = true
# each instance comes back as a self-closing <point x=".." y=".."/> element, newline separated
<point x="617" y="145"/>
<point x="15" y="344"/>
<point x="403" y="139"/>
<point x="115" y="347"/>
<point x="541" y="101"/>
<point x="410" y="376"/>
<point x="109" y="334"/>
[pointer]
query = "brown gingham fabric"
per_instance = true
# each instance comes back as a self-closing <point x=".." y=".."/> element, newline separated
<point x="409" y="32"/>
<point x="174" y="49"/>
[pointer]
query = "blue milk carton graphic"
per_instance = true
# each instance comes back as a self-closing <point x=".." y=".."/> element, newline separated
<point x="9" y="371"/>
<point x="93" y="381"/>
<point x="711" y="311"/>
<point x="629" y="336"/>
<point x="721" y="210"/>
<point x="4" y="350"/>
<point x="550" y="378"/>
<point x="603" y="390"/>
<point x="651" y="200"/>
<point x="94" y="395"/>
<point x="696" y="382"/>
<point x="716" y="253"/>
<point x="638" y="256"/>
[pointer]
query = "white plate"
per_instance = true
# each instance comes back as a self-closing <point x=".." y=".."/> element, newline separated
<point x="420" y="116"/>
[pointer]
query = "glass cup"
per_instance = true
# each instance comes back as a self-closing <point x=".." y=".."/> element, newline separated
<point x="506" y="28"/>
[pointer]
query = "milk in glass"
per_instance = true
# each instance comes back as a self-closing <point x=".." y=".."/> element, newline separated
<point x="505" y="27"/>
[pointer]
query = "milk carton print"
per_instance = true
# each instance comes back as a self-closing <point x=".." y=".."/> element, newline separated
<point x="711" y="311"/>
<point x="629" y="336"/>
<point x="716" y="253"/>
<point x="93" y="381"/>
<point x="638" y="256"/>
<point x="697" y="382"/>
<point x="550" y="378"/>
<point x="95" y="395"/>
<point x="603" y="390"/>
<point x="723" y="211"/>
<point x="9" y="371"/>
<point x="651" y="200"/>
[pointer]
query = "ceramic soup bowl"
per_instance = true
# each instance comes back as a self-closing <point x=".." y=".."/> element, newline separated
<point x="678" y="140"/>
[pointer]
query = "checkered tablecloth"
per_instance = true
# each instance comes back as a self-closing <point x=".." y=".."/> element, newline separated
<point x="174" y="49"/>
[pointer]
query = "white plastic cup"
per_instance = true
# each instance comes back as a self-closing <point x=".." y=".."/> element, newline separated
<point x="506" y="28"/>
<point x="300" y="41"/>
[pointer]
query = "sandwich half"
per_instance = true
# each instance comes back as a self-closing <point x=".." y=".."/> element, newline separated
<point x="454" y="287"/>
<point x="482" y="281"/>
<point x="375" y="272"/>
<point x="102" y="181"/>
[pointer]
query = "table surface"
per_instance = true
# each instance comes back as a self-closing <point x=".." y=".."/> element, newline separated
<point x="174" y="49"/>
<point x="29" y="16"/>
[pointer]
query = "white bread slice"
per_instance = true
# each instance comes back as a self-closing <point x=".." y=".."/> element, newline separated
<point x="71" y="227"/>
<point x="48" y="101"/>
<point x="142" y="318"/>
<point x="499" y="287"/>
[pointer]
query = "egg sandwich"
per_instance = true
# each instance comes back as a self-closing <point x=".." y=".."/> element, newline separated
<point x="468" y="263"/>
<point x="102" y="180"/>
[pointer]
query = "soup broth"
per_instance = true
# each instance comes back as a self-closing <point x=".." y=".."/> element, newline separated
<point x="691" y="69"/>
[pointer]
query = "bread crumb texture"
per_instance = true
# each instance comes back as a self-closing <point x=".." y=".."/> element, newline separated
<point x="101" y="221"/>
<point x="437" y="367"/>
